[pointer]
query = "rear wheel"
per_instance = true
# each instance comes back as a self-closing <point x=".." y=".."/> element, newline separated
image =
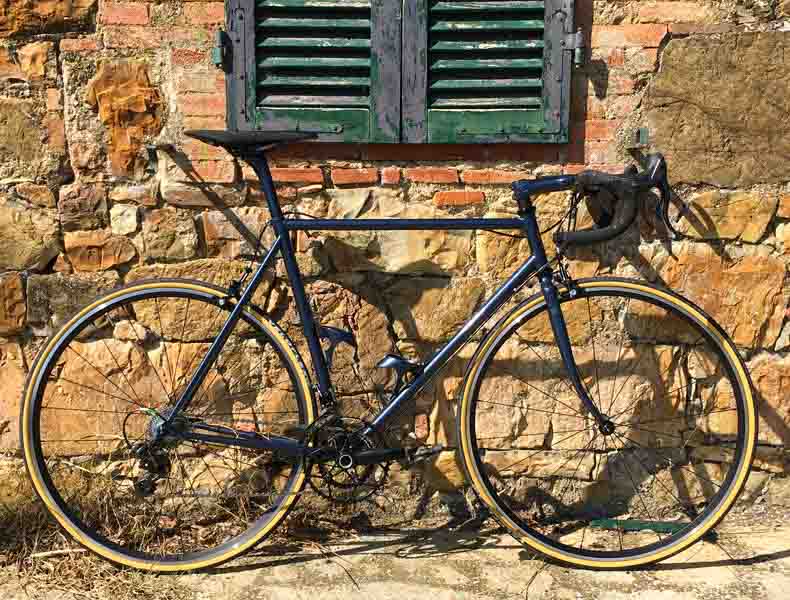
<point x="102" y="386"/>
<point x="664" y="469"/>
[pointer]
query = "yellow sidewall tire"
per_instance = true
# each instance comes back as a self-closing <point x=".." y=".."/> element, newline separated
<point x="30" y="454"/>
<point x="467" y="450"/>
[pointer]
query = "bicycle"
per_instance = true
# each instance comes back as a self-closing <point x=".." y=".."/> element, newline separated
<point x="178" y="446"/>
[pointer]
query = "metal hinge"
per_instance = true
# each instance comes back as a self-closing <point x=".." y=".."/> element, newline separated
<point x="221" y="52"/>
<point x="574" y="42"/>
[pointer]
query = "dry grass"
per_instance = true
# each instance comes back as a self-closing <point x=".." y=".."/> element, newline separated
<point x="37" y="556"/>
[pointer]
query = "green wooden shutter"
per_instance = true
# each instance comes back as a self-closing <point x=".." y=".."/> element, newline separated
<point x="486" y="70"/>
<point x="327" y="66"/>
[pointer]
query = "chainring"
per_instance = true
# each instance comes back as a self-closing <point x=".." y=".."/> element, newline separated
<point x="346" y="484"/>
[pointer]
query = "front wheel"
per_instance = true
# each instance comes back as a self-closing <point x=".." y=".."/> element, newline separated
<point x="91" y="417"/>
<point x="675" y="454"/>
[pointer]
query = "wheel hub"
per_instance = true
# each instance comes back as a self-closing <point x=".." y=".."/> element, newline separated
<point x="607" y="428"/>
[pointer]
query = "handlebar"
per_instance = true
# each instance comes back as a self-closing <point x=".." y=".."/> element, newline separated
<point x="625" y="187"/>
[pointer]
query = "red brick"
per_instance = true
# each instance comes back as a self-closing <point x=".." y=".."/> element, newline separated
<point x="597" y="129"/>
<point x="298" y="175"/>
<point x="212" y="171"/>
<point x="432" y="175"/>
<point x="197" y="150"/>
<point x="620" y="85"/>
<point x="53" y="99"/>
<point x="146" y="37"/>
<point x="205" y="13"/>
<point x="458" y="198"/>
<point x="124" y="13"/>
<point x="492" y="176"/>
<point x="615" y="57"/>
<point x="205" y="122"/>
<point x="600" y="153"/>
<point x="85" y="44"/>
<point x="189" y="57"/>
<point x="354" y="176"/>
<point x="576" y="168"/>
<point x="627" y="36"/>
<point x="198" y="81"/>
<point x="390" y="176"/>
<point x="202" y="105"/>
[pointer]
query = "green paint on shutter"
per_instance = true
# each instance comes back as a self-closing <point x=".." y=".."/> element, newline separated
<point x="486" y="65"/>
<point x="315" y="65"/>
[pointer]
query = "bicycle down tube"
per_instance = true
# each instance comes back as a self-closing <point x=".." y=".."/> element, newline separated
<point x="537" y="263"/>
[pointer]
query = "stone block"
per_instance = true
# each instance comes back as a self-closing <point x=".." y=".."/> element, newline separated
<point x="83" y="206"/>
<point x="169" y="234"/>
<point x="13" y="308"/>
<point x="52" y="299"/>
<point x="28" y="238"/>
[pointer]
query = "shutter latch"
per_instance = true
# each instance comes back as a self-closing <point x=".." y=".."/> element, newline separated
<point x="575" y="42"/>
<point x="221" y="52"/>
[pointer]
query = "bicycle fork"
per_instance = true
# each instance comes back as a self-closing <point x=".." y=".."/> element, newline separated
<point x="558" y="325"/>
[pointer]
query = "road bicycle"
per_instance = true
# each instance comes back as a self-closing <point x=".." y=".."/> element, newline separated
<point x="606" y="423"/>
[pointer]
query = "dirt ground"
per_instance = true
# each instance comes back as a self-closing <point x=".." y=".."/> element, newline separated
<point x="441" y="556"/>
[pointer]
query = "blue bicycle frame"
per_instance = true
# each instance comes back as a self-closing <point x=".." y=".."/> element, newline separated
<point x="537" y="263"/>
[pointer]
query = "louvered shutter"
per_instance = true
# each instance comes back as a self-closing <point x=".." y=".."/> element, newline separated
<point x="486" y="70"/>
<point x="327" y="66"/>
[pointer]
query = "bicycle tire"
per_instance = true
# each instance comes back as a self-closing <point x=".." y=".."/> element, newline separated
<point x="477" y="460"/>
<point x="35" y="455"/>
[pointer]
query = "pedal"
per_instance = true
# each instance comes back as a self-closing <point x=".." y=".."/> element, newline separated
<point x="423" y="453"/>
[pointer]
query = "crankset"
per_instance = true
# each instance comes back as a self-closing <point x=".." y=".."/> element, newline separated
<point x="353" y="467"/>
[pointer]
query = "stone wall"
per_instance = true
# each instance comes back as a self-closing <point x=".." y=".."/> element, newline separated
<point x="85" y="84"/>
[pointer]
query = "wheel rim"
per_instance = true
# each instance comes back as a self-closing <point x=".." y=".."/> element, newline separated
<point x="207" y="503"/>
<point x="553" y="529"/>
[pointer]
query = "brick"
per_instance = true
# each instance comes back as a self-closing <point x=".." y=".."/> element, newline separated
<point x="576" y="168"/>
<point x="615" y="57"/>
<point x="620" y="84"/>
<point x="151" y="38"/>
<point x="204" y="13"/>
<point x="599" y="129"/>
<point x="53" y="99"/>
<point x="204" y="122"/>
<point x="600" y="153"/>
<point x="492" y="176"/>
<point x="202" y="105"/>
<point x="354" y="176"/>
<point x="432" y="175"/>
<point x="206" y="83"/>
<point x="124" y="13"/>
<point x="80" y="45"/>
<point x="188" y="57"/>
<point x="625" y="36"/>
<point x="56" y="133"/>
<point x="197" y="150"/>
<point x="298" y="175"/>
<point x="458" y="198"/>
<point x="390" y="176"/>
<point x="210" y="171"/>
